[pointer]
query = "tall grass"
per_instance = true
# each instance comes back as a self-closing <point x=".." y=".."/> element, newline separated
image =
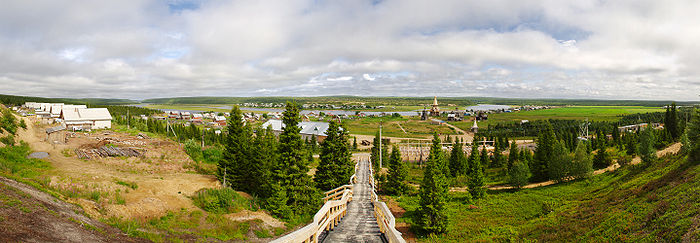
<point x="224" y="200"/>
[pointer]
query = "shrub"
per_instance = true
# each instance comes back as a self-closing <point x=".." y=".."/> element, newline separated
<point x="224" y="200"/>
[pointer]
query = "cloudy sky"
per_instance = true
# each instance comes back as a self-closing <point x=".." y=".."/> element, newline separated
<point x="642" y="49"/>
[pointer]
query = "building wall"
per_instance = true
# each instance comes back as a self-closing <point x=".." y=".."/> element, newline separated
<point x="102" y="124"/>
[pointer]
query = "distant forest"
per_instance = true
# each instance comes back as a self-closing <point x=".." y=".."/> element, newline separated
<point x="20" y="100"/>
<point x="388" y="101"/>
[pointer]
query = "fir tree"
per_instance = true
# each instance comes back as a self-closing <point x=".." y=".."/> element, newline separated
<point x="543" y="153"/>
<point x="374" y="153"/>
<point x="354" y="143"/>
<point x="293" y="165"/>
<point x="484" y="158"/>
<point x="476" y="177"/>
<point x="432" y="212"/>
<point x="672" y="123"/>
<point x="264" y="158"/>
<point x="335" y="167"/>
<point x="457" y="159"/>
<point x="396" y="181"/>
<point x="693" y="137"/>
<point x="601" y="159"/>
<point x="513" y="155"/>
<point x="236" y="157"/>
<point x="646" y="146"/>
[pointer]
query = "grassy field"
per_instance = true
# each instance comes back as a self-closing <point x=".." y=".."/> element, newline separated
<point x="632" y="204"/>
<point x="414" y="127"/>
<point x="593" y="113"/>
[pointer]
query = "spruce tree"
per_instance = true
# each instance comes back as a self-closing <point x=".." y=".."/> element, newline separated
<point x="646" y="146"/>
<point x="396" y="181"/>
<point x="432" y="212"/>
<point x="335" y="167"/>
<point x="484" y="159"/>
<point x="354" y="143"/>
<point x="293" y="165"/>
<point x="476" y="177"/>
<point x="513" y="155"/>
<point x="671" y="123"/>
<point x="693" y="137"/>
<point x="457" y="159"/>
<point x="264" y="162"/>
<point x="601" y="159"/>
<point x="235" y="163"/>
<point x="543" y="153"/>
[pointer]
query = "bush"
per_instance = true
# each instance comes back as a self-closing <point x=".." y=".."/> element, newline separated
<point x="8" y="140"/>
<point x="193" y="149"/>
<point x="224" y="200"/>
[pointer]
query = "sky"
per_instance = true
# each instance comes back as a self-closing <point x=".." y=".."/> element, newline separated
<point x="138" y="49"/>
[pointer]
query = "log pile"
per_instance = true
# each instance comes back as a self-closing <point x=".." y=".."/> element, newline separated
<point x="108" y="151"/>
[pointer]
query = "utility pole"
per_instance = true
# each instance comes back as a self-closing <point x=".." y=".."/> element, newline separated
<point x="380" y="146"/>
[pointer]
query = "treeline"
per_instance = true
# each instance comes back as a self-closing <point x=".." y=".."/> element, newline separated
<point x="14" y="100"/>
<point x="334" y="100"/>
<point x="405" y="101"/>
<point x="275" y="169"/>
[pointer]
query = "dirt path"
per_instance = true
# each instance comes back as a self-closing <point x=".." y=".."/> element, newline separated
<point x="30" y="215"/>
<point x="155" y="195"/>
<point x="673" y="148"/>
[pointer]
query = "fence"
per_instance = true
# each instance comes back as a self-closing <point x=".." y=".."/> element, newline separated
<point x="333" y="210"/>
<point x="385" y="220"/>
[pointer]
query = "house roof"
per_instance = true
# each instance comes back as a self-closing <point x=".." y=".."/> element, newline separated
<point x="70" y="115"/>
<point x="315" y="128"/>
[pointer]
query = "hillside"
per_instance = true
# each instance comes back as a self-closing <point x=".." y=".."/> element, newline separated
<point x="632" y="204"/>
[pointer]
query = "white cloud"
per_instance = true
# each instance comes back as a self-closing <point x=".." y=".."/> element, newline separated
<point x="139" y="49"/>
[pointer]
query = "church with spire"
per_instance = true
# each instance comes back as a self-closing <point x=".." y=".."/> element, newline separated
<point x="435" y="110"/>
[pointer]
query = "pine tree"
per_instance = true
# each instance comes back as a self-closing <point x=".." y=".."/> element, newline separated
<point x="457" y="159"/>
<point x="582" y="166"/>
<point x="646" y="146"/>
<point x="543" y="153"/>
<point x="335" y="167"/>
<point x="396" y="181"/>
<point x="354" y="143"/>
<point x="236" y="157"/>
<point x="293" y="165"/>
<point x="432" y="212"/>
<point x="374" y="153"/>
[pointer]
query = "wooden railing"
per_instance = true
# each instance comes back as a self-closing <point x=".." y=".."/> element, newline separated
<point x="385" y="220"/>
<point x="330" y="214"/>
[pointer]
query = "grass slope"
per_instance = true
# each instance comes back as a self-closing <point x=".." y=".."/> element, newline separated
<point x="593" y="113"/>
<point x="634" y="204"/>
